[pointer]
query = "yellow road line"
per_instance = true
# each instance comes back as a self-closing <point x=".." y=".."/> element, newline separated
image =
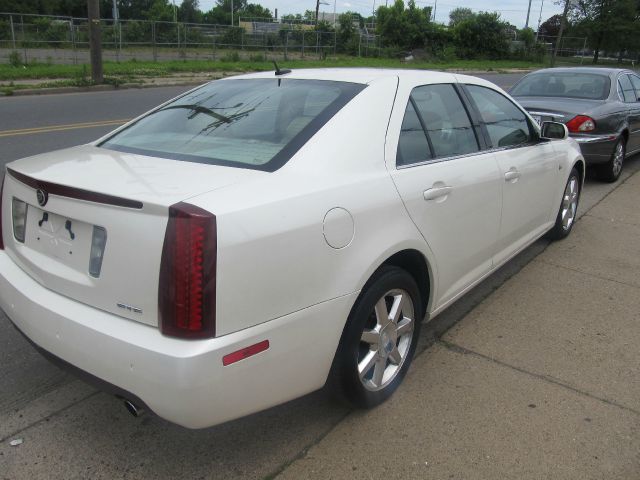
<point x="57" y="128"/>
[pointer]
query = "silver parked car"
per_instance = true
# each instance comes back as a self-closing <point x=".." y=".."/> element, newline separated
<point x="600" y="107"/>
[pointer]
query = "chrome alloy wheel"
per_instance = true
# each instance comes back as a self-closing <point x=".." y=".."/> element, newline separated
<point x="386" y="339"/>
<point x="570" y="203"/>
<point x="618" y="159"/>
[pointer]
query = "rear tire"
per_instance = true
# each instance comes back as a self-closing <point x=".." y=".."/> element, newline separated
<point x="379" y="339"/>
<point x="568" y="207"/>
<point x="610" y="171"/>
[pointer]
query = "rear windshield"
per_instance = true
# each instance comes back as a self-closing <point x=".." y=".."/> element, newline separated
<point x="251" y="123"/>
<point x="555" y="84"/>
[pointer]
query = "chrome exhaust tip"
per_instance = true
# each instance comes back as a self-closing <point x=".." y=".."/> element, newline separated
<point x="133" y="409"/>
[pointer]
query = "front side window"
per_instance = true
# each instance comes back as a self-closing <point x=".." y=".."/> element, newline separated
<point x="248" y="123"/>
<point x="506" y="124"/>
<point x="435" y="125"/>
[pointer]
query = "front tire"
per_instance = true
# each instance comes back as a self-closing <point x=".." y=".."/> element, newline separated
<point x="568" y="207"/>
<point x="610" y="171"/>
<point x="379" y="339"/>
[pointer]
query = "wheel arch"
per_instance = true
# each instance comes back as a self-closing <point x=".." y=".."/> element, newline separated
<point x="625" y="134"/>
<point x="580" y="166"/>
<point x="415" y="263"/>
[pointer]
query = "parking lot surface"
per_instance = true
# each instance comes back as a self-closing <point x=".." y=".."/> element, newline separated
<point x="533" y="374"/>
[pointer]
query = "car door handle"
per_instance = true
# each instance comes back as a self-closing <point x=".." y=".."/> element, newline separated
<point x="512" y="175"/>
<point x="436" y="193"/>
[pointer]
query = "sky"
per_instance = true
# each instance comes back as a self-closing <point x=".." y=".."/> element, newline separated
<point x="513" y="11"/>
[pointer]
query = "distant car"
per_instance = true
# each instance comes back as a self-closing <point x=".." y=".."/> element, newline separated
<point x="600" y="106"/>
<point x="236" y="247"/>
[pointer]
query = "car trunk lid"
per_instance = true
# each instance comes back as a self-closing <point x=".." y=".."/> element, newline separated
<point x="554" y="109"/>
<point x="88" y="202"/>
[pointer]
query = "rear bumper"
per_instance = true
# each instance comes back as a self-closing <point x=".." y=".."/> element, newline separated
<point x="181" y="381"/>
<point x="596" y="148"/>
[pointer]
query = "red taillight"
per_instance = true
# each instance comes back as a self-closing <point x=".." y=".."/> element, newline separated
<point x="187" y="291"/>
<point x="1" y="188"/>
<point x="581" y="124"/>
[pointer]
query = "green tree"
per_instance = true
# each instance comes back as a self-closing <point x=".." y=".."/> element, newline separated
<point x="189" y="11"/>
<point x="291" y="17"/>
<point x="160" y="11"/>
<point x="436" y="38"/>
<point x="484" y="35"/>
<point x="608" y="24"/>
<point x="417" y="21"/>
<point x="403" y="27"/>
<point x="528" y="36"/>
<point x="254" y="10"/>
<point x="551" y="26"/>
<point x="221" y="13"/>
<point x="347" y="33"/>
<point x="459" y="14"/>
<point x="75" y="8"/>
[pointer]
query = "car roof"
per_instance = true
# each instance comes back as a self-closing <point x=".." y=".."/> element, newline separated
<point x="597" y="70"/>
<point x="364" y="75"/>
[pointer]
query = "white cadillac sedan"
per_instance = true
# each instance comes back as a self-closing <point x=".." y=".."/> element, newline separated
<point x="245" y="243"/>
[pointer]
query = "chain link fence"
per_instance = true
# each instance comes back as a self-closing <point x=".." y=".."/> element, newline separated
<point x="571" y="50"/>
<point x="49" y="39"/>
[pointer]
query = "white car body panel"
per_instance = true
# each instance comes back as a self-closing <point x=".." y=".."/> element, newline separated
<point x="462" y="228"/>
<point x="289" y="268"/>
<point x="183" y="381"/>
<point x="529" y="203"/>
<point x="135" y="237"/>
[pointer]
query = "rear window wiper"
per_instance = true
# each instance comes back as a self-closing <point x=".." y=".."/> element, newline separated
<point x="200" y="109"/>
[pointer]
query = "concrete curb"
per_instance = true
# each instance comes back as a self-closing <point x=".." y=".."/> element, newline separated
<point x="95" y="88"/>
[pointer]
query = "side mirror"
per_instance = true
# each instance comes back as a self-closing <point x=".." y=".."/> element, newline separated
<point x="554" y="131"/>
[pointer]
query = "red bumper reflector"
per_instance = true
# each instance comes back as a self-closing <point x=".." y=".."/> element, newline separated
<point x="245" y="353"/>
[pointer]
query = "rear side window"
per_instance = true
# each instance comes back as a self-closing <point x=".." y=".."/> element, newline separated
<point x="248" y="123"/>
<point x="413" y="146"/>
<point x="506" y="124"/>
<point x="435" y="125"/>
<point x="635" y="81"/>
<point x="625" y="88"/>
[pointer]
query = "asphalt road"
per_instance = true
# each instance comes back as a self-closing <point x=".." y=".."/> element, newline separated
<point x="89" y="434"/>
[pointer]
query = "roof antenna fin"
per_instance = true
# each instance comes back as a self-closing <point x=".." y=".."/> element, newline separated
<point x="279" y="71"/>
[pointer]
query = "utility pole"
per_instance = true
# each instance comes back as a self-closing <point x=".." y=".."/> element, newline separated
<point x="95" y="41"/>
<point x="317" y="10"/>
<point x="435" y="7"/>
<point x="539" y="21"/>
<point x="334" y="14"/>
<point x="567" y="4"/>
<point x="232" y="13"/>
<point x="526" y="25"/>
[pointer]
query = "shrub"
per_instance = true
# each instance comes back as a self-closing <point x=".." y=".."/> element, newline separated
<point x="231" y="57"/>
<point x="258" y="57"/>
<point x="15" y="59"/>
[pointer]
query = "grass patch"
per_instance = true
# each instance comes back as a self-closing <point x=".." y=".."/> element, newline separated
<point x="233" y="63"/>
